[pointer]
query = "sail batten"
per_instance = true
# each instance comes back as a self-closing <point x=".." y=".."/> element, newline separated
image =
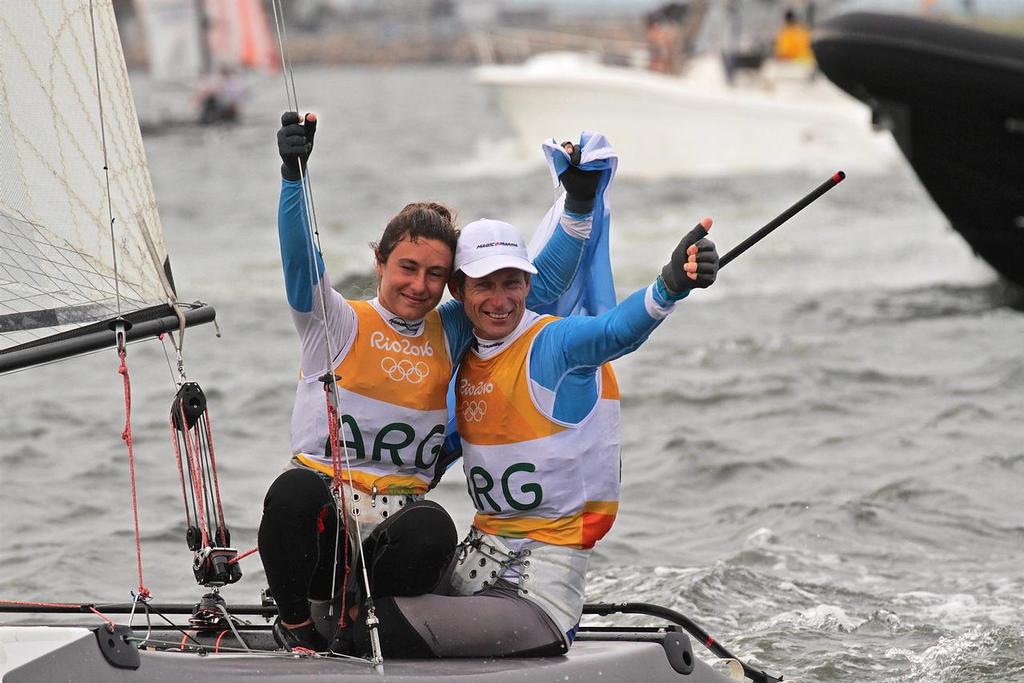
<point x="144" y="323"/>
<point x="57" y="264"/>
<point x="53" y="317"/>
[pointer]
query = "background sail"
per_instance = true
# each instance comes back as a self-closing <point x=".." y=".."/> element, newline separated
<point x="240" y="35"/>
<point x="187" y="39"/>
<point x="56" y="262"/>
<point x="174" y="42"/>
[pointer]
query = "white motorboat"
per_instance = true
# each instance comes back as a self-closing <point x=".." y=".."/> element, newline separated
<point x="697" y="123"/>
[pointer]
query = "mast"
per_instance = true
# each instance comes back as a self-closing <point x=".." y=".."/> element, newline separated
<point x="205" y="52"/>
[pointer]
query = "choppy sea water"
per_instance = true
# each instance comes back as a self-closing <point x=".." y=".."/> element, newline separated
<point x="822" y="454"/>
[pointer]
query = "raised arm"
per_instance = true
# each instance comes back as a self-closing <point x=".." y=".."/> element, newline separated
<point x="563" y="255"/>
<point x="579" y="342"/>
<point x="558" y="261"/>
<point x="304" y="273"/>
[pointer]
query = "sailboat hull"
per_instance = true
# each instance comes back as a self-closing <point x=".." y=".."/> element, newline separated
<point x="625" y="656"/>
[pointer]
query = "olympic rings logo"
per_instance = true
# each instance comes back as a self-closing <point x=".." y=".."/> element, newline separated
<point x="474" y="411"/>
<point x="404" y="370"/>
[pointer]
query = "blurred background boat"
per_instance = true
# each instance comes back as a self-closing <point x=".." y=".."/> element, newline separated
<point x="696" y="123"/>
<point x="953" y="97"/>
<point x="199" y="55"/>
<point x="712" y="92"/>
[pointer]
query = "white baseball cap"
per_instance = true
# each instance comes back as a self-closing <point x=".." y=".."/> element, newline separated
<point x="487" y="245"/>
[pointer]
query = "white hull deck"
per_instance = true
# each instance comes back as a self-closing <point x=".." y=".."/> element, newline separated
<point x="37" y="654"/>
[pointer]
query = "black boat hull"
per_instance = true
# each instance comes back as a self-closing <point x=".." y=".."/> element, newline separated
<point x="954" y="99"/>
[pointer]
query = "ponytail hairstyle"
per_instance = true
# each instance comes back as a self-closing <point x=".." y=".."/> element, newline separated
<point x="419" y="220"/>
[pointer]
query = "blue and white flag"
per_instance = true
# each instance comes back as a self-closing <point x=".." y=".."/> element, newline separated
<point x="593" y="290"/>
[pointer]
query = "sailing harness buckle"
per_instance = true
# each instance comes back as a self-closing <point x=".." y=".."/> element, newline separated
<point x="482" y="562"/>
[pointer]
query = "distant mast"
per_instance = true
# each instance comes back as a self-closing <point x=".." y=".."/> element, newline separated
<point x="203" y="25"/>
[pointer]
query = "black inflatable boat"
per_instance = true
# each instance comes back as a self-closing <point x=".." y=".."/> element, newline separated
<point x="953" y="97"/>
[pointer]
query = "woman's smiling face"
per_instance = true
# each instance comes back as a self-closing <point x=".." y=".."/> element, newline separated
<point x="412" y="280"/>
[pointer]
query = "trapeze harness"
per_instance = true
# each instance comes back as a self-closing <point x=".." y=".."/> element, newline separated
<point x="545" y="491"/>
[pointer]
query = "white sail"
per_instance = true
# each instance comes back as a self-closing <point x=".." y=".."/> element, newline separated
<point x="57" y="264"/>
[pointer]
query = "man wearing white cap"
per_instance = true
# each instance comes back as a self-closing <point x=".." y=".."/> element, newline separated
<point x="538" y="412"/>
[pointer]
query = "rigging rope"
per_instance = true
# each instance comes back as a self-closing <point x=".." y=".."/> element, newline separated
<point x="120" y="325"/>
<point x="194" y="471"/>
<point x="28" y="603"/>
<point x="336" y="486"/>
<point x="207" y="534"/>
<point x="242" y="556"/>
<point x="338" y="443"/>
<point x="106" y="168"/>
<point x="208" y="423"/>
<point x="210" y="565"/>
<point x="126" y="436"/>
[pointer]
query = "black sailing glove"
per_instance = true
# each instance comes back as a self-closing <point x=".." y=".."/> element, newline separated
<point x="580" y="186"/>
<point x="295" y="143"/>
<point x="677" y="280"/>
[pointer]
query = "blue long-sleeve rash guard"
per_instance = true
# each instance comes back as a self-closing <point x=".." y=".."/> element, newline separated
<point x="556" y="267"/>
<point x="567" y="353"/>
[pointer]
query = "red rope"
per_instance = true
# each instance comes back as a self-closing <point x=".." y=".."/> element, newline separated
<point x="126" y="436"/>
<point x="337" y="462"/>
<point x="216" y="646"/>
<point x="104" y="617"/>
<point x="240" y="556"/>
<point x="192" y="453"/>
<point x="337" y="484"/>
<point x="29" y="603"/>
<point x="213" y="472"/>
<point x="66" y="605"/>
<point x="181" y="470"/>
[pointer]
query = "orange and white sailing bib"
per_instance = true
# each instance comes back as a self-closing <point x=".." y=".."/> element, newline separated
<point x="530" y="475"/>
<point x="392" y="391"/>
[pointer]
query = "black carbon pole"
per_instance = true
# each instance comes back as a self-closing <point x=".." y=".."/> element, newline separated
<point x="796" y="208"/>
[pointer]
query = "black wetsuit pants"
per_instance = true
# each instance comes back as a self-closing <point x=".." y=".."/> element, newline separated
<point x="299" y="540"/>
<point x="409" y="557"/>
